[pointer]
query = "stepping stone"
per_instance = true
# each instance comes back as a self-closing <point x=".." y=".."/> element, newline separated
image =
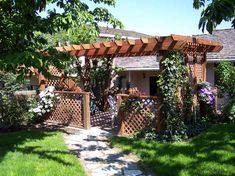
<point x="108" y="170"/>
<point x="132" y="172"/>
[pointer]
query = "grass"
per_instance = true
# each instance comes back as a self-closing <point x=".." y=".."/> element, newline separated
<point x="37" y="153"/>
<point x="211" y="153"/>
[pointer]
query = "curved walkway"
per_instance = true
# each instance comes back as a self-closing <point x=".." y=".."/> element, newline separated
<point x="99" y="159"/>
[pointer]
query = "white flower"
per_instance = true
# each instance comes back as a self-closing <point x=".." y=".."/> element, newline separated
<point x="42" y="94"/>
<point x="43" y="111"/>
<point x="37" y="110"/>
<point x="51" y="88"/>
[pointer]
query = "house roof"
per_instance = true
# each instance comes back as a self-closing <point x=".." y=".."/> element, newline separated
<point x="110" y="32"/>
<point x="145" y="63"/>
<point x="227" y="38"/>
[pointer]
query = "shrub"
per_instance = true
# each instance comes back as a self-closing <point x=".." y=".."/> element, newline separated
<point x="226" y="84"/>
<point x="226" y="78"/>
<point x="14" y="111"/>
<point x="229" y="111"/>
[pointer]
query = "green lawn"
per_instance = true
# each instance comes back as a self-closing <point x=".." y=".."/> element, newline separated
<point x="211" y="153"/>
<point x="36" y="153"/>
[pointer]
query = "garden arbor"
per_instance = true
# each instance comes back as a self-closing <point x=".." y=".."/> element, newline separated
<point x="194" y="50"/>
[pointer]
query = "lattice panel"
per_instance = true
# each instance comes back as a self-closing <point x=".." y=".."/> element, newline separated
<point x="54" y="71"/>
<point x="68" y="110"/>
<point x="55" y="81"/>
<point x="136" y="119"/>
<point x="199" y="72"/>
<point x="101" y="119"/>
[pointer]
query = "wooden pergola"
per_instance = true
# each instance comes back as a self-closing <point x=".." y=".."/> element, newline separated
<point x="195" y="50"/>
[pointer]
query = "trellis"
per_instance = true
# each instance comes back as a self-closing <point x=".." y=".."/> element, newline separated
<point x="135" y="119"/>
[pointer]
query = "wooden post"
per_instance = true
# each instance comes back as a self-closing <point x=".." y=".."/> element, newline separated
<point x="86" y="110"/>
<point x="120" y="115"/>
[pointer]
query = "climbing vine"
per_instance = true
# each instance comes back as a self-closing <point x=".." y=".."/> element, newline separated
<point x="173" y="85"/>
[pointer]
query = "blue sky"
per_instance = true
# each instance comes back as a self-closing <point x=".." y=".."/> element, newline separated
<point x="159" y="17"/>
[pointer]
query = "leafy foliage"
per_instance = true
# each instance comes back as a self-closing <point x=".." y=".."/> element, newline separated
<point x="172" y="78"/>
<point x="229" y="111"/>
<point x="226" y="78"/>
<point x="14" y="108"/>
<point x="10" y="82"/>
<point x="14" y="111"/>
<point x="22" y="44"/>
<point x="81" y="35"/>
<point x="215" y="12"/>
<point x="226" y="84"/>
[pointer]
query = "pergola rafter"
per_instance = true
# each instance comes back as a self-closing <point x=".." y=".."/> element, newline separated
<point x="142" y="47"/>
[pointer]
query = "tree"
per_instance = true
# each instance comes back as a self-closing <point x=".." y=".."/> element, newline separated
<point x="215" y="12"/>
<point x="22" y="40"/>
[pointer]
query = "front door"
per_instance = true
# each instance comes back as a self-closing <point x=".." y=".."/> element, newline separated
<point x="153" y="85"/>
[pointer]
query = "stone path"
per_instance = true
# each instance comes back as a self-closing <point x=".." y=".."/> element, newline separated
<point x="92" y="148"/>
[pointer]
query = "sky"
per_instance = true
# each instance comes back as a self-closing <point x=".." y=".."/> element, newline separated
<point x="158" y="17"/>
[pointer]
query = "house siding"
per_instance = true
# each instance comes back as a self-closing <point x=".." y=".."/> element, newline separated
<point x="140" y="79"/>
<point x="210" y="73"/>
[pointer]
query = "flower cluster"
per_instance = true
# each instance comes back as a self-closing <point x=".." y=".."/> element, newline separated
<point x="206" y="94"/>
<point x="46" y="101"/>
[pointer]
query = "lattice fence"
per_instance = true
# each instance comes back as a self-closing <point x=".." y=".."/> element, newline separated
<point x="137" y="117"/>
<point x="68" y="109"/>
<point x="101" y="119"/>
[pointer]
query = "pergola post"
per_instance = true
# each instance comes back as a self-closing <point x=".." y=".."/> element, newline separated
<point x="86" y="110"/>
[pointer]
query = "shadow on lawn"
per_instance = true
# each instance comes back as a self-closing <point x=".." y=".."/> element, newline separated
<point x="212" y="153"/>
<point x="17" y="142"/>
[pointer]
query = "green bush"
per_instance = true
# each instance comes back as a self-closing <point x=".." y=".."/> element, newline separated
<point x="229" y="111"/>
<point x="14" y="111"/>
<point x="226" y="78"/>
<point x="226" y="83"/>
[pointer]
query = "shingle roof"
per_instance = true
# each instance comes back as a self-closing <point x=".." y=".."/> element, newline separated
<point x="137" y="63"/>
<point x="227" y="38"/>
<point x="126" y="33"/>
<point x="131" y="63"/>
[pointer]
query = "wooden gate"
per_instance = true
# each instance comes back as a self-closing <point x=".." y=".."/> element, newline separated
<point x="72" y="109"/>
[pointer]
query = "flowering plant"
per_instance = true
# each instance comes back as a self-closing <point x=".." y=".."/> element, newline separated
<point x="206" y="94"/>
<point x="46" y="101"/>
